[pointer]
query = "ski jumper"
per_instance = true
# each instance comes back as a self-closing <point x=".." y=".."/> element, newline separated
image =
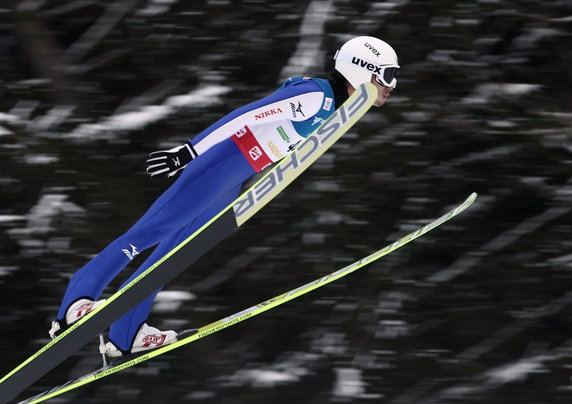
<point x="230" y="152"/>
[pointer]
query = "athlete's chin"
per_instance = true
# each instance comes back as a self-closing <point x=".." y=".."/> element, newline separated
<point x="380" y="102"/>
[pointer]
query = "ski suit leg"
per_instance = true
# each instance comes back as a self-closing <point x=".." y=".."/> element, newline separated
<point x="211" y="175"/>
<point x="123" y="331"/>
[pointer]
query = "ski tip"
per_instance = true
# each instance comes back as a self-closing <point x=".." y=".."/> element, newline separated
<point x="468" y="202"/>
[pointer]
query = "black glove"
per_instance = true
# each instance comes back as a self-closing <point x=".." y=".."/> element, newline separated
<point x="166" y="163"/>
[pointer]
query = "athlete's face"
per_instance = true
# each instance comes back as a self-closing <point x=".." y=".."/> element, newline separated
<point x="382" y="92"/>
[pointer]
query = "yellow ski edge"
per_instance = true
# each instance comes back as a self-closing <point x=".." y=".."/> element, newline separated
<point x="257" y="309"/>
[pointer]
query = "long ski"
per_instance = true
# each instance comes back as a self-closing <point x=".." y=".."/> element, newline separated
<point x="195" y="246"/>
<point x="251" y="311"/>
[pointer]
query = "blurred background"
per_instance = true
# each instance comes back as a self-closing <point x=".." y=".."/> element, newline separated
<point x="478" y="311"/>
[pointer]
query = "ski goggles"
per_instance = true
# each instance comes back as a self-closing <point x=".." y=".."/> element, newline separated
<point x="386" y="75"/>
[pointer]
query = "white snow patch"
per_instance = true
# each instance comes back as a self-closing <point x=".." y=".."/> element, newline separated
<point x="8" y="118"/>
<point x="138" y="119"/>
<point x="263" y="378"/>
<point x="171" y="300"/>
<point x="41" y="216"/>
<point x="177" y="295"/>
<point x="485" y="92"/>
<point x="7" y="270"/>
<point x="48" y="207"/>
<point x="4" y="131"/>
<point x="54" y="117"/>
<point x="565" y="259"/>
<point x="516" y="371"/>
<point x="40" y="159"/>
<point x="309" y="54"/>
<point x="349" y="383"/>
<point x="156" y="7"/>
<point x="146" y="115"/>
<point x="11" y="218"/>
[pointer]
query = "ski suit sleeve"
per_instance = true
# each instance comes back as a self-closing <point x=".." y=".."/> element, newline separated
<point x="295" y="102"/>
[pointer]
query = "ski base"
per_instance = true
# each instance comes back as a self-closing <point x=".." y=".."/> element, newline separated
<point x="250" y="312"/>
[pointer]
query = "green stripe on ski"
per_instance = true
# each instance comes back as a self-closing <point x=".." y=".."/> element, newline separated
<point x="257" y="309"/>
<point x="276" y="180"/>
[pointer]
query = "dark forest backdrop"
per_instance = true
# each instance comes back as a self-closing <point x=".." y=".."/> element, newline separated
<point x="478" y="311"/>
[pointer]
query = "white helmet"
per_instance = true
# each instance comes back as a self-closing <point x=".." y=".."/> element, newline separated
<point x="363" y="56"/>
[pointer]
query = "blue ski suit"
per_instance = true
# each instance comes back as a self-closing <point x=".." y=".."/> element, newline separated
<point x="230" y="152"/>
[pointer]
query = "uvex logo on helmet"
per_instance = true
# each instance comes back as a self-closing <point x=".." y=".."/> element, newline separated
<point x="367" y="65"/>
<point x="371" y="48"/>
